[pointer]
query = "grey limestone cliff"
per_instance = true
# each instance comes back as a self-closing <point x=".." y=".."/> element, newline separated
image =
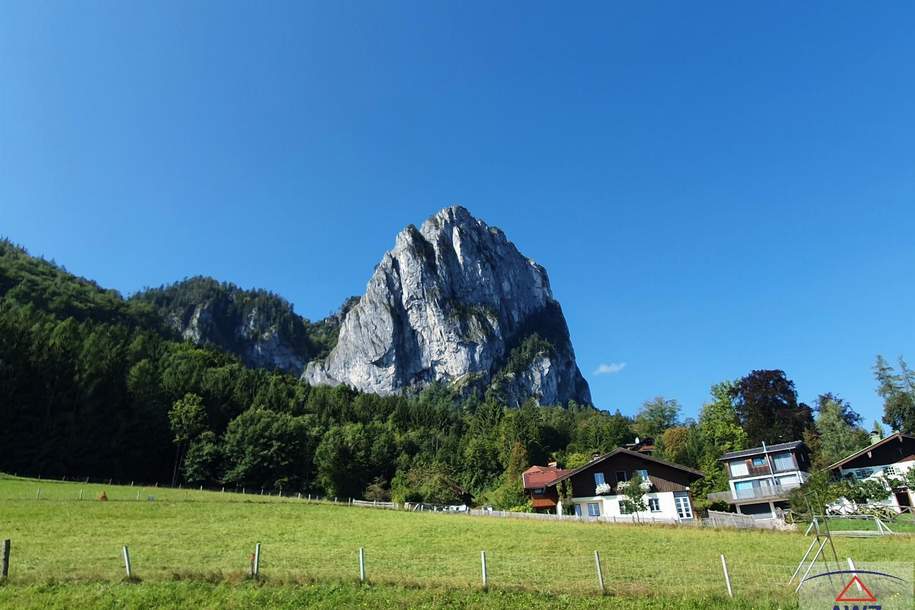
<point x="455" y="302"/>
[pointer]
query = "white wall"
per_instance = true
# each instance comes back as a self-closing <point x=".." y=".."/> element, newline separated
<point x="610" y="506"/>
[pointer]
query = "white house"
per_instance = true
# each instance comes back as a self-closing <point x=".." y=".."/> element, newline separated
<point x="888" y="461"/>
<point x="596" y="487"/>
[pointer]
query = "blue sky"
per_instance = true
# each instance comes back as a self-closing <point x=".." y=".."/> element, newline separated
<point x="713" y="187"/>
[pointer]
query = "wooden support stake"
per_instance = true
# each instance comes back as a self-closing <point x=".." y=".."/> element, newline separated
<point x="727" y="577"/>
<point x="5" y="559"/>
<point x="361" y="564"/>
<point x="256" y="561"/>
<point x="483" y="563"/>
<point x="600" y="573"/>
<point x="127" y="562"/>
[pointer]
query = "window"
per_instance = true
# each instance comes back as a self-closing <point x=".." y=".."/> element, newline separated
<point x="538" y="490"/>
<point x="739" y="468"/>
<point x="594" y="509"/>
<point x="684" y="511"/>
<point x="654" y="505"/>
<point x="890" y="471"/>
<point x="622" y="476"/>
<point x="744" y="489"/>
<point x="783" y="462"/>
<point x="598" y="478"/>
<point x="643" y="474"/>
<point x="759" y="461"/>
<point x="578" y="510"/>
<point x="787" y="480"/>
<point x="624" y="507"/>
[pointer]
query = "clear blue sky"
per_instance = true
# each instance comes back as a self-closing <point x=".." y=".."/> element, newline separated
<point x="713" y="187"/>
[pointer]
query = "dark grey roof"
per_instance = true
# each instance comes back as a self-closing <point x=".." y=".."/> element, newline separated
<point x="760" y="450"/>
<point x="894" y="435"/>
<point x="623" y="450"/>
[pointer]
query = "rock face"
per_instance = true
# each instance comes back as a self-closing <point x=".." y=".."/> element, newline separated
<point x="259" y="327"/>
<point x="455" y="302"/>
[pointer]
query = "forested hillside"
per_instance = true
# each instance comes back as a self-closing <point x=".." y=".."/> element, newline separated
<point x="92" y="384"/>
<point x="96" y="385"/>
<point x="258" y="326"/>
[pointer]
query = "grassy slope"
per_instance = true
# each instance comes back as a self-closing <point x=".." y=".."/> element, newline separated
<point x="197" y="545"/>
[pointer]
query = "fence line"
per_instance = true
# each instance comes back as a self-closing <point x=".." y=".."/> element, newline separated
<point x="564" y="573"/>
<point x="715" y="519"/>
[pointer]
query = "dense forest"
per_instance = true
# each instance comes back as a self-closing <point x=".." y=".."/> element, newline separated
<point x="92" y="384"/>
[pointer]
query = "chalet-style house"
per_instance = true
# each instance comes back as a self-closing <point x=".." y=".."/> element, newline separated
<point x="887" y="460"/>
<point x="761" y="478"/>
<point x="595" y="487"/>
<point x="538" y="484"/>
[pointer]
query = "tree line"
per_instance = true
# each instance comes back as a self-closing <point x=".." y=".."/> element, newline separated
<point x="94" y="385"/>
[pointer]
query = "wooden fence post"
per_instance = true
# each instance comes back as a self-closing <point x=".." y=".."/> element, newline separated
<point x="600" y="573"/>
<point x="361" y="564"/>
<point x="5" y="559"/>
<point x="483" y="563"/>
<point x="727" y="577"/>
<point x="127" y="562"/>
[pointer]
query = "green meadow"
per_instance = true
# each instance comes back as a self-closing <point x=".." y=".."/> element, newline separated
<point x="193" y="548"/>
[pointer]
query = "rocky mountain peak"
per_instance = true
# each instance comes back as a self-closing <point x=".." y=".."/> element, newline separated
<point x="456" y="302"/>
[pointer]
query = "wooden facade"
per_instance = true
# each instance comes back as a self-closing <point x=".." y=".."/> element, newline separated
<point x="893" y="449"/>
<point x="619" y="466"/>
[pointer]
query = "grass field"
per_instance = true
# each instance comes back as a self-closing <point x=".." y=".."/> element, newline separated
<point x="903" y="524"/>
<point x="192" y="548"/>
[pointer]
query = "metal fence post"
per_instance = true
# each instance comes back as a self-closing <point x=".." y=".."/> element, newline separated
<point x="256" y="561"/>
<point x="600" y="573"/>
<point x="126" y="553"/>
<point x="361" y="564"/>
<point x="485" y="578"/>
<point x="727" y="577"/>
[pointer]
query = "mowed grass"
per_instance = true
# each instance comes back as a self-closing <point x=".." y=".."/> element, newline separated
<point x="193" y="545"/>
<point x="903" y="524"/>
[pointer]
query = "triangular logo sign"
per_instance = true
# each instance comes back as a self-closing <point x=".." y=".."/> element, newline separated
<point x="862" y="590"/>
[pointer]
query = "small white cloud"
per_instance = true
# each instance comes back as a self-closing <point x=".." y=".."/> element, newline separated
<point x="611" y="368"/>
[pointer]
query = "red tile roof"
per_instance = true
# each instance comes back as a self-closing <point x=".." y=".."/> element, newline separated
<point x="541" y="476"/>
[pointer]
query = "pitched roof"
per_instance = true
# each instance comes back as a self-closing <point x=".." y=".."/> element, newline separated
<point x="758" y="450"/>
<point x="893" y="436"/>
<point x="622" y="450"/>
<point x="540" y="476"/>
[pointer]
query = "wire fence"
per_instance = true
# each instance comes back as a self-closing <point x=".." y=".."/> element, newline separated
<point x="556" y="573"/>
<point x="293" y="558"/>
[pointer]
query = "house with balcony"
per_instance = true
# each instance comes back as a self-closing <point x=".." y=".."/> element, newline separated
<point x="595" y="488"/>
<point x="888" y="461"/>
<point x="760" y="479"/>
<point x="537" y="482"/>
